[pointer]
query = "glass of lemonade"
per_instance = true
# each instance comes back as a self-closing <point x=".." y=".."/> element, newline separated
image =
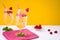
<point x="8" y="16"/>
<point x="21" y="19"/>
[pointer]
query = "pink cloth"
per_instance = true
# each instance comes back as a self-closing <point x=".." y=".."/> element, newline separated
<point x="12" y="35"/>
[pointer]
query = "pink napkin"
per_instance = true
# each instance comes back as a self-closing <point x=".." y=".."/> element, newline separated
<point x="12" y="35"/>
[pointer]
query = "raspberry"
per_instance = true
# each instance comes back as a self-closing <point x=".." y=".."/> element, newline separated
<point x="27" y="9"/>
<point x="48" y="29"/>
<point x="10" y="8"/>
<point x="55" y="31"/>
<point x="38" y="27"/>
<point x="51" y="33"/>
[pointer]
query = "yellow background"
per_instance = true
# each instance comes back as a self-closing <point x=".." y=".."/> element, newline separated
<point x="41" y="11"/>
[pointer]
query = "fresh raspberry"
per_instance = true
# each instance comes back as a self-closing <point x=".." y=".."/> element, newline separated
<point x="51" y="33"/>
<point x="49" y="30"/>
<point x="55" y="31"/>
<point x="27" y="9"/>
<point x="10" y="8"/>
<point x="38" y="27"/>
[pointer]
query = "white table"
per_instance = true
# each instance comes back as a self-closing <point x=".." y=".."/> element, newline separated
<point x="43" y="33"/>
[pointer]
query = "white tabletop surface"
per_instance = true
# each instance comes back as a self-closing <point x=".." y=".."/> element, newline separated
<point x="43" y="33"/>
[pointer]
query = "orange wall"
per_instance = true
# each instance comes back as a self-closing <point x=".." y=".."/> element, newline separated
<point x="41" y="11"/>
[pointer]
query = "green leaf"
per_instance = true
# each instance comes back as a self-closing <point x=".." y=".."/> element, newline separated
<point x="21" y="34"/>
<point x="7" y="29"/>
